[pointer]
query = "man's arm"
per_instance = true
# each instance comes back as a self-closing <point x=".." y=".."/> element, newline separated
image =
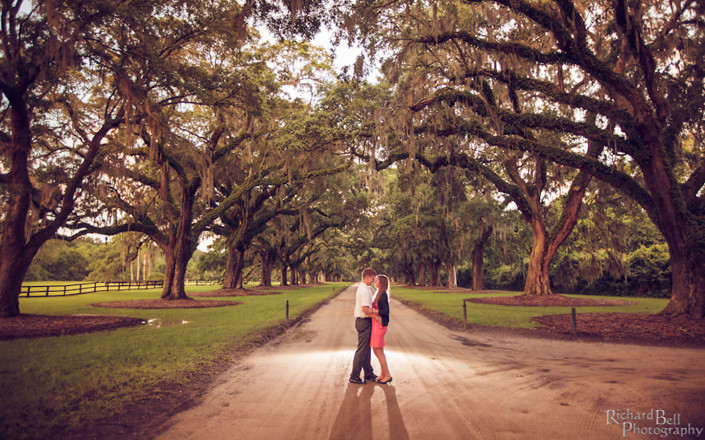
<point x="371" y="314"/>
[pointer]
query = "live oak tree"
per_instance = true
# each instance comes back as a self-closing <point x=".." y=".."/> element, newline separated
<point x="297" y="145"/>
<point x="414" y="225"/>
<point x="239" y="226"/>
<point x="251" y="216"/>
<point x="625" y="75"/>
<point x="442" y="217"/>
<point x="479" y="219"/>
<point x="292" y="238"/>
<point x="58" y="109"/>
<point x="525" y="178"/>
<point x="91" y="52"/>
<point x="332" y="126"/>
<point x="197" y="107"/>
<point x="522" y="179"/>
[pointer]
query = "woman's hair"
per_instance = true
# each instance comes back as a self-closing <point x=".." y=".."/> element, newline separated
<point x="382" y="285"/>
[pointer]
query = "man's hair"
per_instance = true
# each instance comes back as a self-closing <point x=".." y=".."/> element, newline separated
<point x="368" y="272"/>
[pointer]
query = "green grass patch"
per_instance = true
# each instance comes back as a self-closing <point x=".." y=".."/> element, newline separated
<point x="450" y="304"/>
<point x="50" y="383"/>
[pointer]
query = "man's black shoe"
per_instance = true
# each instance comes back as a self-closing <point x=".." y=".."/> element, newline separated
<point x="371" y="377"/>
<point x="357" y="380"/>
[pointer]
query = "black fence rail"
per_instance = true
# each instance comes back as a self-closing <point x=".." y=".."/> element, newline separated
<point x="108" y="286"/>
<point x="83" y="288"/>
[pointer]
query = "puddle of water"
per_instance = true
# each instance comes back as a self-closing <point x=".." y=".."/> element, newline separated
<point x="162" y="322"/>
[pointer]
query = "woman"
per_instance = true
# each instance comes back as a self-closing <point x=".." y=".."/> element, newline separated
<point x="380" y="321"/>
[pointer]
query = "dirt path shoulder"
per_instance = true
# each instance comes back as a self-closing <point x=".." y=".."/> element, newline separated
<point x="449" y="384"/>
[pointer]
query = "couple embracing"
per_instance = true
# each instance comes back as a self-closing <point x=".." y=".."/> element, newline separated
<point x="371" y="321"/>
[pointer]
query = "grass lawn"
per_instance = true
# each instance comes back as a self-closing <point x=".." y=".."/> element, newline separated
<point x="451" y="304"/>
<point x="48" y="383"/>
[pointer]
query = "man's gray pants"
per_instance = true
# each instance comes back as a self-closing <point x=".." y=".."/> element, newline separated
<point x="363" y="353"/>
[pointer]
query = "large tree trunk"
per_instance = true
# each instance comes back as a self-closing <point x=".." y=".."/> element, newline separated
<point x="688" y="290"/>
<point x="478" y="251"/>
<point x="285" y="267"/>
<point x="410" y="276"/>
<point x="178" y="289"/>
<point x="10" y="286"/>
<point x="234" y="269"/>
<point x="546" y="246"/>
<point x="12" y="273"/>
<point x="235" y="266"/>
<point x="478" y="276"/>
<point x="537" y="277"/>
<point x="237" y="246"/>
<point x="169" y="270"/>
<point x="183" y="248"/>
<point x="422" y="274"/>
<point x="436" y="273"/>
<point x="15" y="257"/>
<point x="683" y="232"/>
<point x="294" y="276"/>
<point x="452" y="276"/>
<point x="538" y="281"/>
<point x="307" y="275"/>
<point x="268" y="258"/>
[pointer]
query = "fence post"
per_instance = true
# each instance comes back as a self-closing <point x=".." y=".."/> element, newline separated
<point x="575" y="324"/>
<point x="287" y="309"/>
<point x="465" y="311"/>
<point x="47" y="293"/>
<point x="64" y="289"/>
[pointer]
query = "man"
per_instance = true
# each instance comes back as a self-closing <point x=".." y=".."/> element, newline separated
<point x="363" y="325"/>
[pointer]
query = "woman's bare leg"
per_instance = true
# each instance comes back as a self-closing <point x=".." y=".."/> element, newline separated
<point x="384" y="375"/>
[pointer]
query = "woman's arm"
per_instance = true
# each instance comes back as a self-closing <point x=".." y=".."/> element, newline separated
<point x="374" y="316"/>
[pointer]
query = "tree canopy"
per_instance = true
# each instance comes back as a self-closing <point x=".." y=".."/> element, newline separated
<point x="549" y="79"/>
<point x="500" y="139"/>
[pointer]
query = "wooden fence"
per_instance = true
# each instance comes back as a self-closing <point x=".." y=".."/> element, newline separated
<point x="109" y="286"/>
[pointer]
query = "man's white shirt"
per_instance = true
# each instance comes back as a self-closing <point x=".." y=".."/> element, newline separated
<point x="363" y="297"/>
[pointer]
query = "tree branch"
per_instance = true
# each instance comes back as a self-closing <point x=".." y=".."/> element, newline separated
<point x="526" y="120"/>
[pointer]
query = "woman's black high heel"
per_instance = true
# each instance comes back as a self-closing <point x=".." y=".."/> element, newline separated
<point x="384" y="382"/>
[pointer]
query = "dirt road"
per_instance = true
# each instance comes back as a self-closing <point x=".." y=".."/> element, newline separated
<point x="449" y="385"/>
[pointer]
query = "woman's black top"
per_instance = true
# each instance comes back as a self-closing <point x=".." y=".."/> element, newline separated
<point x="383" y="306"/>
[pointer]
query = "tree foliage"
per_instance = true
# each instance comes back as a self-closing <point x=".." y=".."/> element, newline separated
<point x="628" y="77"/>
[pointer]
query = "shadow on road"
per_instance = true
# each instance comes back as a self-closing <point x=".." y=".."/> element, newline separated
<point x="397" y="428"/>
<point x="355" y="419"/>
